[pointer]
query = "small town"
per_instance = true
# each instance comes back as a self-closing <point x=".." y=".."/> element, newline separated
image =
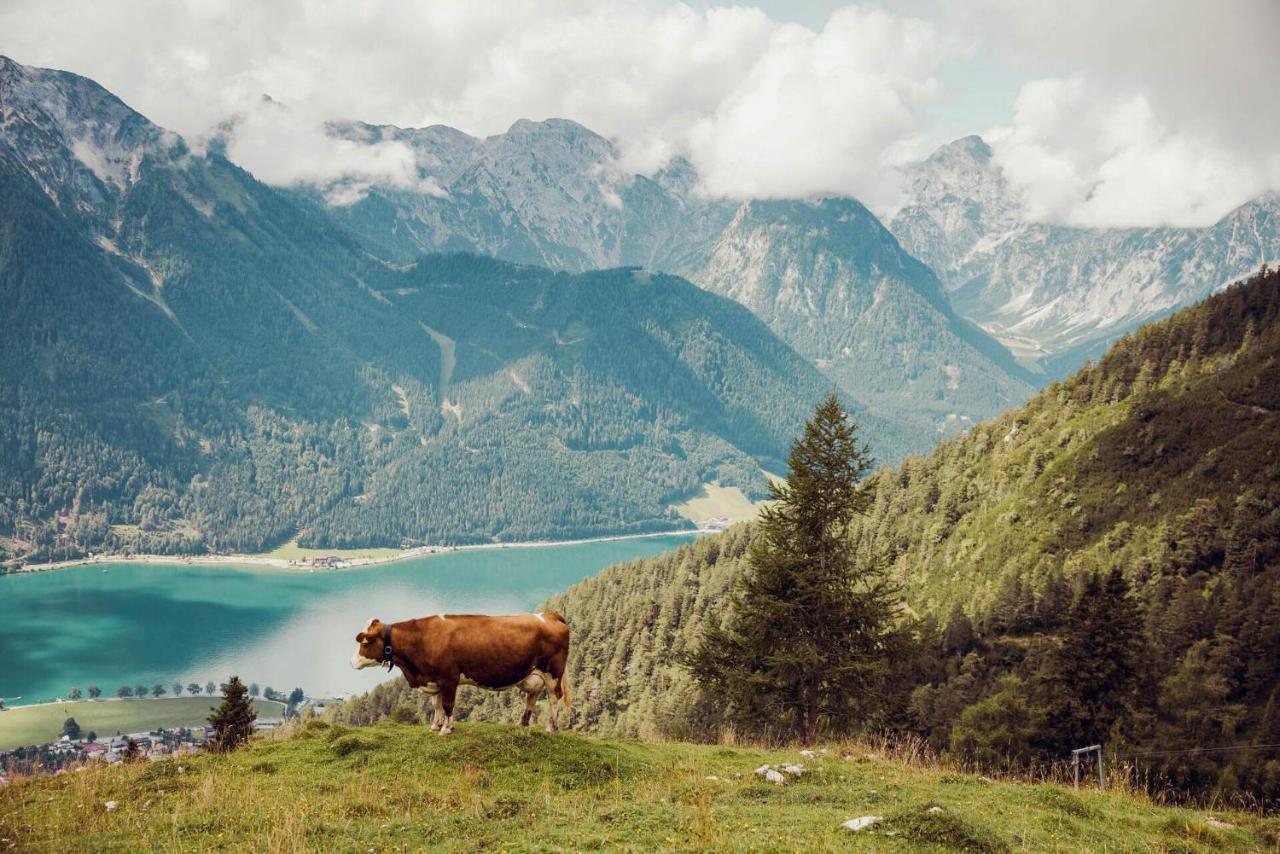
<point x="80" y="746"/>
<point x="67" y="752"/>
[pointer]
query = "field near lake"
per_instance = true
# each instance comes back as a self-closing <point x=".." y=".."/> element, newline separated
<point x="23" y="725"/>
<point x="395" y="787"/>
<point x="292" y="551"/>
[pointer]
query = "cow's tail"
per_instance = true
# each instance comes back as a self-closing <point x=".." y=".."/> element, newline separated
<point x="564" y="690"/>
<point x="554" y="615"/>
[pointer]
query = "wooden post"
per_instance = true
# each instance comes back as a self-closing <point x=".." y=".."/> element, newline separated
<point x="1085" y="751"/>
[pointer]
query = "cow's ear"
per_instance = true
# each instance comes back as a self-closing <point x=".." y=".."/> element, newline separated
<point x="361" y="638"/>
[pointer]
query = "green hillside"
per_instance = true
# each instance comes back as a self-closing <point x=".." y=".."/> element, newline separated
<point x="395" y="787"/>
<point x="1161" y="462"/>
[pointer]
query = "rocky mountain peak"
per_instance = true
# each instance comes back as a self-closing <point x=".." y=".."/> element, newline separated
<point x="972" y="147"/>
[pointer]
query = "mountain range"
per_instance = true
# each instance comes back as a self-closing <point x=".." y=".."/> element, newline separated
<point x="1059" y="295"/>
<point x="193" y="360"/>
<point x="825" y="274"/>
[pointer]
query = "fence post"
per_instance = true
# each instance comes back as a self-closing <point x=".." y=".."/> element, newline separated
<point x="1075" y="763"/>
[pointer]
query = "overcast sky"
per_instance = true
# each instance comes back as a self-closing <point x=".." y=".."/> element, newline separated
<point x="1101" y="112"/>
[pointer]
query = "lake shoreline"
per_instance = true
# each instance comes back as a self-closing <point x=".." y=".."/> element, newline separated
<point x="263" y="562"/>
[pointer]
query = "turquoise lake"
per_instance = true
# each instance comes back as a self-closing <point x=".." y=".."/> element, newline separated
<point x="138" y="624"/>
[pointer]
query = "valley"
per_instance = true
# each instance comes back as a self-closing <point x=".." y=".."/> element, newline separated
<point x="294" y="388"/>
<point x="932" y="472"/>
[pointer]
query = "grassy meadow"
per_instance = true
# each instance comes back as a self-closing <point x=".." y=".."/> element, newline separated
<point x="292" y="551"/>
<point x="24" y="725"/>
<point x="716" y="500"/>
<point x="394" y="787"/>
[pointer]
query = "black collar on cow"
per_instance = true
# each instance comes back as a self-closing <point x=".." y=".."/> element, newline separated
<point x="386" y="647"/>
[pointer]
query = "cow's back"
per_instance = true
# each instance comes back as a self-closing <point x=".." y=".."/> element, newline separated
<point x="496" y="651"/>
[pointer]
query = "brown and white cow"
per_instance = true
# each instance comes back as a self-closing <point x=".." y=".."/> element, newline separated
<point x="437" y="654"/>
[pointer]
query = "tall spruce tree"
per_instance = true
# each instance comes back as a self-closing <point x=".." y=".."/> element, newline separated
<point x="807" y="642"/>
<point x="233" y="720"/>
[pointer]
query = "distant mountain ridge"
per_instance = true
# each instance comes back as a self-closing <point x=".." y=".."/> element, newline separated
<point x="192" y="360"/>
<point x="824" y="274"/>
<point x="1059" y="292"/>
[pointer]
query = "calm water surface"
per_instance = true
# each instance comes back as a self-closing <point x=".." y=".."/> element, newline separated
<point x="138" y="624"/>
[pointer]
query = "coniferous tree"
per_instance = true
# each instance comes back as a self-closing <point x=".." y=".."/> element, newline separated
<point x="232" y="722"/>
<point x="1091" y="679"/>
<point x="807" y="641"/>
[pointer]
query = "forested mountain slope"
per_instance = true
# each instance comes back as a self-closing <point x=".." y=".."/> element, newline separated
<point x="1162" y="463"/>
<point x="1065" y="293"/>
<point x="825" y="274"/>
<point x="192" y="360"/>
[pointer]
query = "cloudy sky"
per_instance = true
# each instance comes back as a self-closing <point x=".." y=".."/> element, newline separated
<point x="1101" y="112"/>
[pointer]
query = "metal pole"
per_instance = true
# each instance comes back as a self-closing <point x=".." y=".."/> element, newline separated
<point x="1075" y="767"/>
<point x="1102" y="783"/>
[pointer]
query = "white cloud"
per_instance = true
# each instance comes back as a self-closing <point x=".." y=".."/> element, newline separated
<point x="284" y="146"/>
<point x="762" y="108"/>
<point x="1164" y="113"/>
<point x="1139" y="111"/>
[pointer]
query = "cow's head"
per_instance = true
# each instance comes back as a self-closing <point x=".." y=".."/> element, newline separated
<point x="369" y="653"/>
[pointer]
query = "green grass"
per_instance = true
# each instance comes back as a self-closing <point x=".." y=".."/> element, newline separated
<point x="23" y="725"/>
<point x="292" y="551"/>
<point x="716" y="500"/>
<point x="396" y="787"/>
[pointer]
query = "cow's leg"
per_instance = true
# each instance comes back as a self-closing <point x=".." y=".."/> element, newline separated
<point x="448" y="693"/>
<point x="437" y="715"/>
<point x="530" y="706"/>
<point x="557" y="687"/>
<point x="553" y="688"/>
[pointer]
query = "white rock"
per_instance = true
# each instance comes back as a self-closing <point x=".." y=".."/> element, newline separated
<point x="808" y="754"/>
<point x="935" y="810"/>
<point x="863" y="822"/>
<point x="761" y="771"/>
<point x="774" y="777"/>
<point x="1218" y="824"/>
<point x="712" y="778"/>
<point x="793" y="770"/>
<point x="111" y="806"/>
